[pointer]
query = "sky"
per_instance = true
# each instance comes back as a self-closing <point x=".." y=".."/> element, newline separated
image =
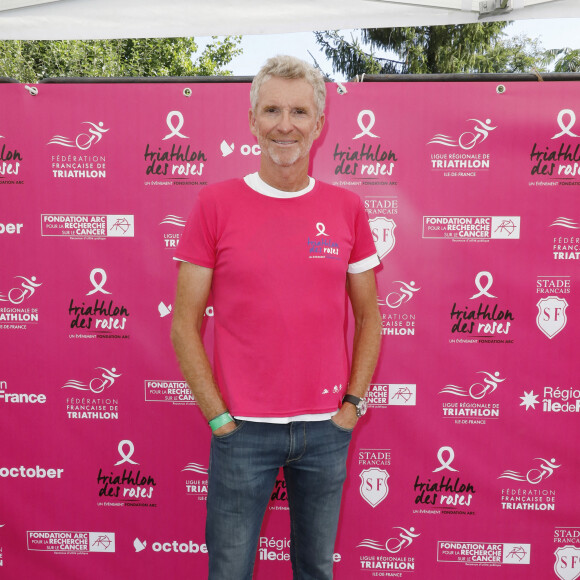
<point x="553" y="33"/>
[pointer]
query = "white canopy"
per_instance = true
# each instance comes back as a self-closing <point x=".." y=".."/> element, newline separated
<point x="83" y="19"/>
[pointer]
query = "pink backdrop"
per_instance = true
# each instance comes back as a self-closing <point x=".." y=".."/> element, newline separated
<point x="466" y="464"/>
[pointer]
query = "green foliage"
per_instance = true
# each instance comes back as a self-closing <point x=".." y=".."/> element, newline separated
<point x="567" y="59"/>
<point x="466" y="48"/>
<point x="31" y="61"/>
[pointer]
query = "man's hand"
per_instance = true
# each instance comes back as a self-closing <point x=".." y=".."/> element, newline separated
<point x="346" y="416"/>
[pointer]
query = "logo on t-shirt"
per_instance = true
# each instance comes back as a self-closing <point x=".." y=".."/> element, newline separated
<point x="321" y="244"/>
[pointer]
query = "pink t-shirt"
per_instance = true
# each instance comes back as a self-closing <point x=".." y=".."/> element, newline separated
<point x="279" y="295"/>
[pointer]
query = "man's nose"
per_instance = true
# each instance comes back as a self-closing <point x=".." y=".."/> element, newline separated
<point x="285" y="123"/>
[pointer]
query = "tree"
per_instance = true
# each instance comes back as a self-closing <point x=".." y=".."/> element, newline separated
<point x="30" y="61"/>
<point x="567" y="59"/>
<point x="465" y="48"/>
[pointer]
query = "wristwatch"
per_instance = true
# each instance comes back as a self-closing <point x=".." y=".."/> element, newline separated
<point x="360" y="404"/>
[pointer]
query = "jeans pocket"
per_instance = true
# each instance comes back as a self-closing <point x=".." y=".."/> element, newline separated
<point x="239" y="425"/>
<point x="342" y="429"/>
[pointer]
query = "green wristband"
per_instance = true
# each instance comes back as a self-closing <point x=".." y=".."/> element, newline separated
<point x="220" y="420"/>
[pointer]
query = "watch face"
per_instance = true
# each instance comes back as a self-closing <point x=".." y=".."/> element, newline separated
<point x="362" y="407"/>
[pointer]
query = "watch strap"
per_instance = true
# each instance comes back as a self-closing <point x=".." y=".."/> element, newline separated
<point x="351" y="399"/>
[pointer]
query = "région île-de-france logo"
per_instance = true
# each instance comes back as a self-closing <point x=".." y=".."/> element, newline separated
<point x="374" y="488"/>
<point x="556" y="400"/>
<point x="567" y="565"/>
<point x="366" y="159"/>
<point x="551" y="318"/>
<point x="560" y="164"/>
<point x="178" y="164"/>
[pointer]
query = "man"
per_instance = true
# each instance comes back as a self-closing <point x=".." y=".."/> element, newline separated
<point x="279" y="252"/>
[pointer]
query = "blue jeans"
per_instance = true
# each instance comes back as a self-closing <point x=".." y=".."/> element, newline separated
<point x="242" y="473"/>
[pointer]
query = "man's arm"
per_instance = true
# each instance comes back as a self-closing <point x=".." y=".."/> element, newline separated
<point x="193" y="286"/>
<point x="362" y="291"/>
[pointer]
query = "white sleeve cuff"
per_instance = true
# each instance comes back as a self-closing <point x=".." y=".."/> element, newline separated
<point x="364" y="265"/>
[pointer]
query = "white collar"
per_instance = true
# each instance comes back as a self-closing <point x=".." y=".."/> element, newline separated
<point x="254" y="181"/>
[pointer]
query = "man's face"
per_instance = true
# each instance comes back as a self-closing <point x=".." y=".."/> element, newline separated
<point x="285" y="121"/>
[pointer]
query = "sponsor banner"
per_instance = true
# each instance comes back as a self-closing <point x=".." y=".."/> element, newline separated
<point x="126" y="486"/>
<point x="176" y="392"/>
<point x="16" y="311"/>
<point x="380" y="396"/>
<point x="472" y="404"/>
<point x="530" y="490"/>
<point x="567" y="535"/>
<point x="87" y="226"/>
<point x="196" y="481"/>
<point x="483" y="553"/>
<point x="173" y="156"/>
<point x="366" y="159"/>
<point x="471" y="228"/>
<point x="169" y="547"/>
<point x="554" y="400"/>
<point x="391" y="555"/>
<point x="8" y="398"/>
<point x="71" y="542"/>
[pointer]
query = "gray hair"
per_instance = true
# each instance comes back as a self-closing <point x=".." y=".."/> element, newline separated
<point x="290" y="67"/>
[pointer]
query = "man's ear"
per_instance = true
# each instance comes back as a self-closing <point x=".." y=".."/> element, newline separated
<point x="252" y="123"/>
<point x="319" y="126"/>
